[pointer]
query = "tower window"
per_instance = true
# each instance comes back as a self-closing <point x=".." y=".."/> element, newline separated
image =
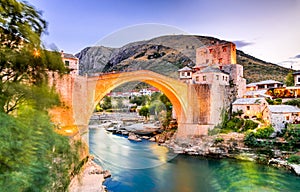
<point x="224" y="48"/>
<point x="204" y="78"/>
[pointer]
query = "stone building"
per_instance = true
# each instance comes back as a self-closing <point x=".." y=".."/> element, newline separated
<point x="210" y="75"/>
<point x="216" y="53"/>
<point x="251" y="107"/>
<point x="185" y="74"/>
<point x="71" y="62"/>
<point x="213" y="63"/>
<point x="263" y="85"/>
<point x="280" y="115"/>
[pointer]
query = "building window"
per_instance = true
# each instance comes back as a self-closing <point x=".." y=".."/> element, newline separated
<point x="188" y="73"/>
<point x="220" y="60"/>
<point x="67" y="63"/>
<point x="224" y="48"/>
<point x="298" y="79"/>
<point x="223" y="78"/>
<point x="287" y="118"/>
<point x="210" y="50"/>
<point x="226" y="79"/>
<point x="182" y="74"/>
<point x="207" y="60"/>
<point x="217" y="77"/>
<point x="204" y="78"/>
<point x="248" y="107"/>
<point x="197" y="78"/>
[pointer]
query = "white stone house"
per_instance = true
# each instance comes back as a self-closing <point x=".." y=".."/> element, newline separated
<point x="185" y="74"/>
<point x="267" y="84"/>
<point x="211" y="75"/>
<point x="71" y="62"/>
<point x="251" y="107"/>
<point x="280" y="115"/>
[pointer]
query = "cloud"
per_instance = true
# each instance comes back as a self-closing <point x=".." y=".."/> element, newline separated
<point x="296" y="57"/>
<point x="242" y="43"/>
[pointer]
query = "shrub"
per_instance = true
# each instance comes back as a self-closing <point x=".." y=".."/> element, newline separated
<point x="294" y="159"/>
<point x="264" y="132"/>
<point x="250" y="139"/>
<point x="218" y="140"/>
<point x="292" y="134"/>
<point x="249" y="125"/>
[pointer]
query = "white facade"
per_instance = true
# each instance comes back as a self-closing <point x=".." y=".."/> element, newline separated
<point x="280" y="115"/>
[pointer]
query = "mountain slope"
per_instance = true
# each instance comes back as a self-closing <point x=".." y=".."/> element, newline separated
<point x="167" y="54"/>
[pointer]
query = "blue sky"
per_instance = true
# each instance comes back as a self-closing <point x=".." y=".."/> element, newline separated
<point x="266" y="29"/>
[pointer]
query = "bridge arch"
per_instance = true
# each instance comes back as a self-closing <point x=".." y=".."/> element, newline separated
<point x="173" y="89"/>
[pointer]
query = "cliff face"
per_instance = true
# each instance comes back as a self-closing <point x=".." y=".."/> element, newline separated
<point x="166" y="55"/>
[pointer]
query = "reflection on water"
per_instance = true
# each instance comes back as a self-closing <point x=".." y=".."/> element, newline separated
<point x="145" y="166"/>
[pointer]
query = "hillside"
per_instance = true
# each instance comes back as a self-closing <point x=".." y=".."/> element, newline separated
<point x="167" y="54"/>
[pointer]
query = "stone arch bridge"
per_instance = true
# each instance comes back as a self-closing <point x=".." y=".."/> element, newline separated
<point x="194" y="104"/>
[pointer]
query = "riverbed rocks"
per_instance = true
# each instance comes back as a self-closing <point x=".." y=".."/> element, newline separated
<point x="134" y="137"/>
<point x="90" y="178"/>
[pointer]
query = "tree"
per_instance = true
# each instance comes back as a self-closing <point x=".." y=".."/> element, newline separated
<point x="144" y="111"/>
<point x="289" y="79"/>
<point x="23" y="60"/>
<point x="33" y="156"/>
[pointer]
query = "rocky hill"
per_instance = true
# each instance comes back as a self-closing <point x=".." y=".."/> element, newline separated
<point x="167" y="54"/>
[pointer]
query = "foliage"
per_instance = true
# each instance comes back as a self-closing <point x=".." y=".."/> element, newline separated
<point x="23" y="61"/>
<point x="106" y="103"/>
<point x="277" y="101"/>
<point x="144" y="111"/>
<point x="289" y="79"/>
<point x="238" y="113"/>
<point x="264" y="132"/>
<point x="140" y="100"/>
<point x="294" y="102"/>
<point x="294" y="159"/>
<point x="33" y="157"/>
<point x="292" y="134"/>
<point x="249" y="125"/>
<point x="218" y="140"/>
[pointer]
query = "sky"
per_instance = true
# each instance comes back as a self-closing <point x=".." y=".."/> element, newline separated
<point x="266" y="29"/>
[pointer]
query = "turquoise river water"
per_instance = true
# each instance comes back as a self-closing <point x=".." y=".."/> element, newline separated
<point x="145" y="166"/>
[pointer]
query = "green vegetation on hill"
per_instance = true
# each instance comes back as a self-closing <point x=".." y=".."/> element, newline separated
<point x="257" y="70"/>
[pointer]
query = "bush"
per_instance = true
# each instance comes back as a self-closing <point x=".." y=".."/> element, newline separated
<point x="294" y="159"/>
<point x="292" y="134"/>
<point x="218" y="140"/>
<point x="249" y="125"/>
<point x="264" y="132"/>
<point x="250" y="139"/>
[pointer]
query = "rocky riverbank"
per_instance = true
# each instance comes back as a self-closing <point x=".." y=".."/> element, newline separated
<point x="229" y="145"/>
<point x="90" y="179"/>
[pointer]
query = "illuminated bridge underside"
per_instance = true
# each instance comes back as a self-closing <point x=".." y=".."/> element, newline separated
<point x="81" y="94"/>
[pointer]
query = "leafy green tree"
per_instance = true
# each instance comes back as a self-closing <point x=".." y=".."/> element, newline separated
<point x="106" y="103"/>
<point x="32" y="156"/>
<point x="23" y="60"/>
<point x="140" y="100"/>
<point x="144" y="111"/>
<point x="289" y="79"/>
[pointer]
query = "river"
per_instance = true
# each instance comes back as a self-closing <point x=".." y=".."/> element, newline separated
<point x="145" y="166"/>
